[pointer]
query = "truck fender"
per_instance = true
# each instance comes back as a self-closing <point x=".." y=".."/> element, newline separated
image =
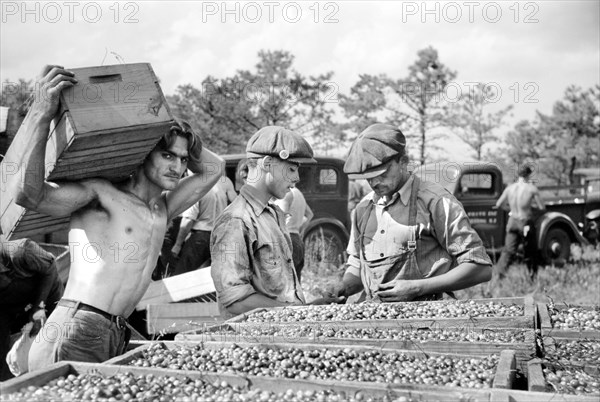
<point x="551" y="219"/>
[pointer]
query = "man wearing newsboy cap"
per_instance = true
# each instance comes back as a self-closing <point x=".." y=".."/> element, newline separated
<point x="251" y="248"/>
<point x="410" y="239"/>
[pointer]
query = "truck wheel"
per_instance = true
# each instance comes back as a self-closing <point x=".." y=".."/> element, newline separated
<point x="557" y="247"/>
<point x="324" y="244"/>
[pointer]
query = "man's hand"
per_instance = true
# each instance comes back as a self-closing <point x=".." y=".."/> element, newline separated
<point x="398" y="290"/>
<point x="328" y="300"/>
<point x="50" y="83"/>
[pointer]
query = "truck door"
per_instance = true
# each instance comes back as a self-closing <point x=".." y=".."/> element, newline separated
<point x="478" y="192"/>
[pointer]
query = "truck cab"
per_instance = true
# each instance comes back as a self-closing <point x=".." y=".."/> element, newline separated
<point x="478" y="185"/>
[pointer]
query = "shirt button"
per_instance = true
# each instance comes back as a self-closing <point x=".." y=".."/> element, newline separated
<point x="381" y="255"/>
<point x="382" y="231"/>
<point x="289" y="260"/>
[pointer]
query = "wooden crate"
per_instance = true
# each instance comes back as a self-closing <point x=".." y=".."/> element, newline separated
<point x="233" y="333"/>
<point x="537" y="381"/>
<point x="178" y="288"/>
<point x="177" y="317"/>
<point x="504" y="377"/>
<point x="511" y="395"/>
<point x="527" y="320"/>
<point x="278" y="385"/>
<point x="106" y="125"/>
<point x="550" y="344"/>
<point x="548" y="329"/>
<point x="62" y="259"/>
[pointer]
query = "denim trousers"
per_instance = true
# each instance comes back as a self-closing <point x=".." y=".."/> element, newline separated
<point x="77" y="335"/>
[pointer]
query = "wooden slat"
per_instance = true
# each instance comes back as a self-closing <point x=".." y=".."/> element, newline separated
<point x="178" y="288"/>
<point x="501" y="395"/>
<point x="535" y="376"/>
<point x="505" y="371"/>
<point x="177" y="317"/>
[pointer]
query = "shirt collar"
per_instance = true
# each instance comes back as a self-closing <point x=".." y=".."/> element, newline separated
<point x="403" y="194"/>
<point x="251" y="195"/>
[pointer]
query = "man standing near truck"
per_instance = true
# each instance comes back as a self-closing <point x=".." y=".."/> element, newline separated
<point x="410" y="239"/>
<point x="116" y="229"/>
<point x="521" y="197"/>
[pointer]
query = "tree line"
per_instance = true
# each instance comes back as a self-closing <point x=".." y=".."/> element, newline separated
<point x="227" y="111"/>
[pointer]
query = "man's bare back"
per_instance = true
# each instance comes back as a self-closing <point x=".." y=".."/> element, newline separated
<point x="520" y="196"/>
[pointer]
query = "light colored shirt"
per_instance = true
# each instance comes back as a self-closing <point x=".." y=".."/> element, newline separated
<point x="205" y="212"/>
<point x="447" y="238"/>
<point x="251" y="252"/>
<point x="294" y="208"/>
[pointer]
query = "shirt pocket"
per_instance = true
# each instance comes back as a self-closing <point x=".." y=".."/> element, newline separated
<point x="272" y="272"/>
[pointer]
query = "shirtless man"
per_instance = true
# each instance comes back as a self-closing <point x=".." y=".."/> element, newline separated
<point x="116" y="230"/>
<point x="520" y="227"/>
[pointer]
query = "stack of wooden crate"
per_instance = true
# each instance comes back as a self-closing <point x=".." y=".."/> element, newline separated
<point x="313" y="338"/>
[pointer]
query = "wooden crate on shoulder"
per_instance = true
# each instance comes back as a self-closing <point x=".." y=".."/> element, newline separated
<point x="106" y="125"/>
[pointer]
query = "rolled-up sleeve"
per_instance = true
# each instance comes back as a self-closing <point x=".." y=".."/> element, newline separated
<point x="230" y="270"/>
<point x="353" y="264"/>
<point x="454" y="231"/>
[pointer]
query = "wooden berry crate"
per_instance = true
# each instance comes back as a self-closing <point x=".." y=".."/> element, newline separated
<point x="233" y="333"/>
<point x="537" y="381"/>
<point x="550" y="343"/>
<point x="511" y="395"/>
<point x="504" y="377"/>
<point x="106" y="125"/>
<point x="548" y="329"/>
<point x="375" y="391"/>
<point x="527" y="320"/>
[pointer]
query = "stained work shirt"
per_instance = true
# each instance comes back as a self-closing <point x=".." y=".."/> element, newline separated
<point x="446" y="238"/>
<point x="251" y="252"/>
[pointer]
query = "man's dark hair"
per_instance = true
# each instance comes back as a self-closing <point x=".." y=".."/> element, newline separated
<point x="525" y="171"/>
<point x="182" y="128"/>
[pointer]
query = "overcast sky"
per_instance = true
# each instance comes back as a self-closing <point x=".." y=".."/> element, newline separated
<point x="530" y="50"/>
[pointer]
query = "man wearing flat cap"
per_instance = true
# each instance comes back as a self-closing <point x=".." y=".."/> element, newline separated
<point x="410" y="239"/>
<point x="251" y="249"/>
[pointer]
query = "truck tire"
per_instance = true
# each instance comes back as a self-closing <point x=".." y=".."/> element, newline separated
<point x="556" y="247"/>
<point x="325" y="244"/>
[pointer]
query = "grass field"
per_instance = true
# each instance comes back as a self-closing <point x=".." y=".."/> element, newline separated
<point x="577" y="282"/>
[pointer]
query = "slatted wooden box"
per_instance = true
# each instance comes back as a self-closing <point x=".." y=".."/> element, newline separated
<point x="548" y="329"/>
<point x="551" y="344"/>
<point x="106" y="125"/>
<point x="294" y="333"/>
<point x="504" y="376"/>
<point x="251" y="383"/>
<point x="526" y="320"/>
<point x="537" y="380"/>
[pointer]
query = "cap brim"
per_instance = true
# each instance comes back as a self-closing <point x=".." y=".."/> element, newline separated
<point x="367" y="175"/>
<point x="303" y="161"/>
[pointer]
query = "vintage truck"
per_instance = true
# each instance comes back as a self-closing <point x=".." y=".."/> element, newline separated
<point x="477" y="185"/>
